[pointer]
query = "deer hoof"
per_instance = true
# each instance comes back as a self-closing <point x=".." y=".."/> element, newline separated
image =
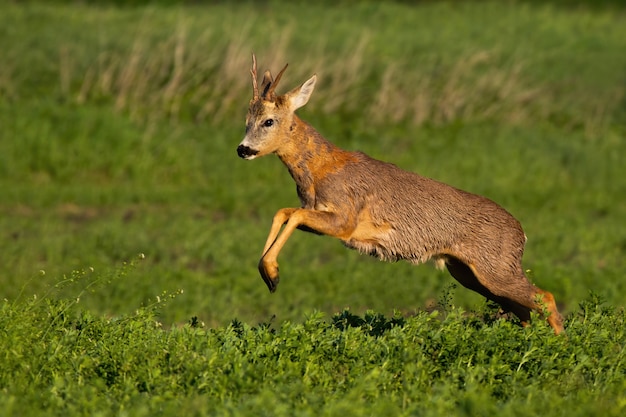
<point x="269" y="273"/>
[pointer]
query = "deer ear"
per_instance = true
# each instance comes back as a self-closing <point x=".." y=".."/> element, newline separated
<point x="299" y="96"/>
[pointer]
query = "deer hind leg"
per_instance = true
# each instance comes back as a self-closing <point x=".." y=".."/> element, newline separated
<point x="322" y="222"/>
<point x="517" y="296"/>
<point x="466" y="277"/>
<point x="545" y="300"/>
<point x="524" y="297"/>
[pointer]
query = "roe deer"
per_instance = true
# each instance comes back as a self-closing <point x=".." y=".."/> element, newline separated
<point x="381" y="210"/>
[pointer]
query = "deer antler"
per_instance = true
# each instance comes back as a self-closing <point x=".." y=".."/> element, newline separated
<point x="272" y="87"/>
<point x="255" y="88"/>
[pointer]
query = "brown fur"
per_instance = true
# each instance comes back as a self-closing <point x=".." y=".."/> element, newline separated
<point x="384" y="211"/>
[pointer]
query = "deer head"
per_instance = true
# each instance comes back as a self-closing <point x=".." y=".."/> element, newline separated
<point x="270" y="116"/>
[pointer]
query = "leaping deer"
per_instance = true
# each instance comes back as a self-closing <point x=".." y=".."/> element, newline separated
<point x="381" y="210"/>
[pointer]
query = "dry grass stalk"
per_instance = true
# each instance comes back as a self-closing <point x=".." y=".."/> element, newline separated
<point x="473" y="88"/>
<point x="204" y="78"/>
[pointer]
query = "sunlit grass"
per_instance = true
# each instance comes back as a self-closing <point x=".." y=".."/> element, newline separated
<point x="58" y="360"/>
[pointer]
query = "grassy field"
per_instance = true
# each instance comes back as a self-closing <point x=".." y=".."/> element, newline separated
<point x="56" y="363"/>
<point x="123" y="204"/>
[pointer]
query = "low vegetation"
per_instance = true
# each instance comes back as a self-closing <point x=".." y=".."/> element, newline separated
<point x="57" y="360"/>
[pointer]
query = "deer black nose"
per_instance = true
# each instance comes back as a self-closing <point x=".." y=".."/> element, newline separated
<point x="245" y="151"/>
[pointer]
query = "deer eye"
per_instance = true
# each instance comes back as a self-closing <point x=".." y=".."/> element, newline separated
<point x="268" y="122"/>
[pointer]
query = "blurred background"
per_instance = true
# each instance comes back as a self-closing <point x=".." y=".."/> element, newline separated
<point x="119" y="122"/>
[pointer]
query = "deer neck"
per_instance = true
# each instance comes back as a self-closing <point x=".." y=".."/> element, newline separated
<point x="309" y="158"/>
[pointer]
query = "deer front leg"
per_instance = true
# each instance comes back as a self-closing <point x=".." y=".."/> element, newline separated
<point x="324" y="222"/>
<point x="269" y="272"/>
<point x="280" y="218"/>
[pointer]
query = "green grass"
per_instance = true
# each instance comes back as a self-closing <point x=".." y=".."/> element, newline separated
<point x="118" y="130"/>
<point x="57" y="361"/>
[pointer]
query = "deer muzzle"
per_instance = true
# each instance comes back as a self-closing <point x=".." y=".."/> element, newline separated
<point x="246" y="152"/>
